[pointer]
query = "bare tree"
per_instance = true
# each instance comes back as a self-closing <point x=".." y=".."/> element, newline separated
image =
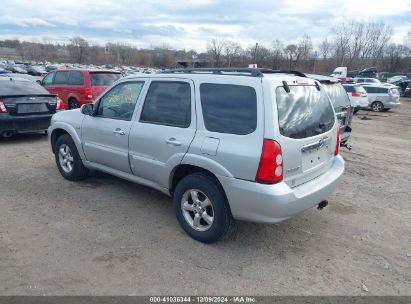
<point x="291" y="52"/>
<point x="325" y="48"/>
<point x="215" y="48"/>
<point x="231" y="50"/>
<point x="78" y="49"/>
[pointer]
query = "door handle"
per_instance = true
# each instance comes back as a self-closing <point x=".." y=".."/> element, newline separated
<point x="119" y="131"/>
<point x="173" y="141"/>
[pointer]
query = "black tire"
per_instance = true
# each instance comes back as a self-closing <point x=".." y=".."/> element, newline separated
<point x="377" y="106"/>
<point x="78" y="171"/>
<point x="221" y="211"/>
<point x="356" y="109"/>
<point x="73" y="104"/>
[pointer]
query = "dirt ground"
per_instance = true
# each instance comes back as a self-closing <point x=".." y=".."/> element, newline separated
<point x="106" y="236"/>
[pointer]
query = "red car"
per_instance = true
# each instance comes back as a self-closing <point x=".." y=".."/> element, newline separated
<point x="77" y="87"/>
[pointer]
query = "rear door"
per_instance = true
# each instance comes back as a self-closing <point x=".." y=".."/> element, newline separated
<point x="308" y="129"/>
<point x="106" y="134"/>
<point x="75" y="88"/>
<point x="164" y="129"/>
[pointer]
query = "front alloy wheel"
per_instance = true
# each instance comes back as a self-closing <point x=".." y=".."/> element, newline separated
<point x="66" y="158"/>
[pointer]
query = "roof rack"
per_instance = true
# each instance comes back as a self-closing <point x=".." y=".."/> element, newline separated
<point x="253" y="72"/>
<point x="270" y="71"/>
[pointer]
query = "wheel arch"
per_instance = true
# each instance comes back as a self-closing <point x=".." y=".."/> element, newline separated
<point x="61" y="129"/>
<point x="183" y="170"/>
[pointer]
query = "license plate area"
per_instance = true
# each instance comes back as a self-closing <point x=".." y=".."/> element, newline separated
<point x="314" y="156"/>
<point x="24" y="108"/>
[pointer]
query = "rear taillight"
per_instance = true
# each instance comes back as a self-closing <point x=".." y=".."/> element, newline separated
<point x="88" y="93"/>
<point x="2" y="107"/>
<point x="337" y="145"/>
<point x="59" y="104"/>
<point x="356" y="94"/>
<point x="407" y="89"/>
<point x="270" y="169"/>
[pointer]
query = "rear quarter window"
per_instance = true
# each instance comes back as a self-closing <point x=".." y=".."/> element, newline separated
<point x="304" y="111"/>
<point x="229" y="108"/>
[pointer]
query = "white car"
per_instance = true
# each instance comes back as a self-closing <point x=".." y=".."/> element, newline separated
<point x="358" y="96"/>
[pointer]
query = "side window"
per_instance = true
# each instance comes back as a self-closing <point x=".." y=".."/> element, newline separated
<point x="229" y="108"/>
<point x="48" y="80"/>
<point x="120" y="101"/>
<point x="76" y="78"/>
<point x="61" y="78"/>
<point x="168" y="103"/>
<point x="369" y="89"/>
<point x="382" y="90"/>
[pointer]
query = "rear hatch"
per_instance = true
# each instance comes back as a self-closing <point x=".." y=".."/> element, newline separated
<point x="101" y="80"/>
<point x="19" y="105"/>
<point x="309" y="132"/>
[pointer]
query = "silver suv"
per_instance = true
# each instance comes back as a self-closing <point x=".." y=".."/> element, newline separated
<point x="249" y="144"/>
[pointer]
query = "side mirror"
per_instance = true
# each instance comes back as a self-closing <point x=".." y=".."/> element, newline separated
<point x="87" y="109"/>
<point x="39" y="82"/>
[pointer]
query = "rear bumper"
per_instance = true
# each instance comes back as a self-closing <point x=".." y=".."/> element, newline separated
<point x="255" y="202"/>
<point x="23" y="124"/>
<point x="392" y="104"/>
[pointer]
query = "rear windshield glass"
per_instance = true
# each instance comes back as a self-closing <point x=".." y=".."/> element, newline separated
<point x="17" y="87"/>
<point x="103" y="79"/>
<point x="304" y="112"/>
<point x="337" y="95"/>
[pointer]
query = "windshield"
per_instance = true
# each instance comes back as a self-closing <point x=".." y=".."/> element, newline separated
<point x="304" y="111"/>
<point x="103" y="79"/>
<point x="337" y="95"/>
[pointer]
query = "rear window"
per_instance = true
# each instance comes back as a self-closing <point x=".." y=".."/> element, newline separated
<point x="229" y="108"/>
<point x="337" y="95"/>
<point x="103" y="79"/>
<point x="304" y="112"/>
<point x="18" y="87"/>
<point x="375" y="90"/>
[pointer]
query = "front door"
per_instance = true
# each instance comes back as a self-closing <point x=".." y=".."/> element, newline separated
<point x="164" y="129"/>
<point x="105" y="134"/>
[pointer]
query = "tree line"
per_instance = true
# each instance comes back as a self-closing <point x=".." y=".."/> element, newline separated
<point x="353" y="44"/>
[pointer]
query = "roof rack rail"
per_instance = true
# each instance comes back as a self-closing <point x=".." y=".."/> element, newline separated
<point x="270" y="71"/>
<point x="253" y="72"/>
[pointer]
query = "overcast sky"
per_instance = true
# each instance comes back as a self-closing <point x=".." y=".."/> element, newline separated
<point x="189" y="24"/>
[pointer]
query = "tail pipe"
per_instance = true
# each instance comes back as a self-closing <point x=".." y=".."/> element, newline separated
<point x="322" y="205"/>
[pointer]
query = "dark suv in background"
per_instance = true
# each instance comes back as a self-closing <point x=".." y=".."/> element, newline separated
<point x="341" y="104"/>
<point x="77" y="87"/>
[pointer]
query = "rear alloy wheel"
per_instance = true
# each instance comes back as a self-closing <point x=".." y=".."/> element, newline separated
<point x="377" y="106"/>
<point x="73" y="104"/>
<point x="201" y="207"/>
<point x="68" y="160"/>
